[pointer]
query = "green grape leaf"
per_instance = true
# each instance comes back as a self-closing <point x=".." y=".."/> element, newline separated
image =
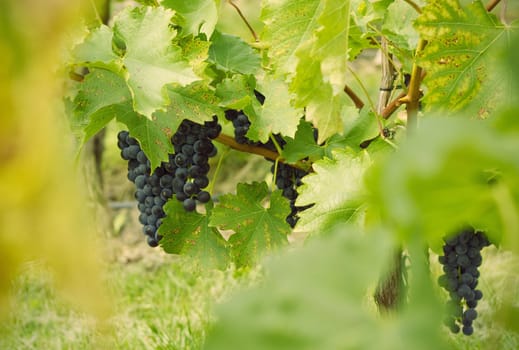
<point x="365" y="16"/>
<point x="196" y="102"/>
<point x="197" y="16"/>
<point x="93" y="107"/>
<point x="302" y="145"/>
<point x="276" y="115"/>
<point x="357" y="41"/>
<point x="335" y="188"/>
<point x="369" y="12"/>
<point x="230" y="53"/>
<point x="288" y="25"/>
<point x="450" y="166"/>
<point x="235" y="92"/>
<point x="331" y="42"/>
<point x="151" y="60"/>
<point x="359" y="127"/>
<point x="325" y="111"/>
<point x="323" y="108"/>
<point x="188" y="233"/>
<point x="196" y="52"/>
<point x="153" y="135"/>
<point x="96" y="50"/>
<point x="459" y="56"/>
<point x="398" y="26"/>
<point x="258" y="229"/>
<point x="316" y="298"/>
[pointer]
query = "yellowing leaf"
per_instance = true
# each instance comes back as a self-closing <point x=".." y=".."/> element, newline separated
<point x="459" y="57"/>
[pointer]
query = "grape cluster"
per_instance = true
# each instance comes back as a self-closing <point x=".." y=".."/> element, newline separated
<point x="193" y="148"/>
<point x="241" y="124"/>
<point x="148" y="191"/>
<point x="461" y="259"/>
<point x="184" y="175"/>
<point x="288" y="179"/>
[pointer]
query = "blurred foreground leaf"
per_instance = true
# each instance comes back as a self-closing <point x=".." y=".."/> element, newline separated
<point x="43" y="211"/>
<point x="451" y="172"/>
<point x="315" y="298"/>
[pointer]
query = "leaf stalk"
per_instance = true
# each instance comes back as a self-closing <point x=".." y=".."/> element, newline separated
<point x="254" y="35"/>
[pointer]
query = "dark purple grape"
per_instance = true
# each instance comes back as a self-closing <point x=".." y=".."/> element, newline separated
<point x="203" y="197"/>
<point x="189" y="204"/>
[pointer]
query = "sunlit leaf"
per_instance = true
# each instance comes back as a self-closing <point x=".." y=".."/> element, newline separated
<point x="235" y="92"/>
<point x="96" y="50"/>
<point x="151" y="60"/>
<point x="335" y="188"/>
<point x="332" y="42"/>
<point x="288" y="25"/>
<point x="275" y="115"/>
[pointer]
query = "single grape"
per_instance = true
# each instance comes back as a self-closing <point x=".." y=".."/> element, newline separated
<point x="201" y="181"/>
<point x="203" y="197"/>
<point x="191" y="188"/>
<point x="189" y="204"/>
<point x="468" y="330"/>
<point x="152" y="241"/>
<point x="470" y="314"/>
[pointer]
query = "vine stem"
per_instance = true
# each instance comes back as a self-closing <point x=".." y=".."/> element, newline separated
<point x="372" y="105"/>
<point x="392" y="106"/>
<point x="256" y="39"/>
<point x="492" y="4"/>
<point x="412" y="98"/>
<point x="96" y="12"/>
<point x="414" y="5"/>
<point x="261" y="151"/>
<point x="356" y="99"/>
<point x="274" y="176"/>
<point x="388" y="77"/>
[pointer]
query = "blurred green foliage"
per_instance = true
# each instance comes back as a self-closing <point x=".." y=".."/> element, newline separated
<point x="42" y="207"/>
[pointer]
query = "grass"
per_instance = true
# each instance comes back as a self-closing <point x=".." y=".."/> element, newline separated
<point x="162" y="305"/>
<point x="165" y="302"/>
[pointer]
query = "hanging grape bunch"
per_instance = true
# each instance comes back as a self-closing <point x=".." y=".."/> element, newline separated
<point x="461" y="259"/>
<point x="183" y="176"/>
<point x="193" y="148"/>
